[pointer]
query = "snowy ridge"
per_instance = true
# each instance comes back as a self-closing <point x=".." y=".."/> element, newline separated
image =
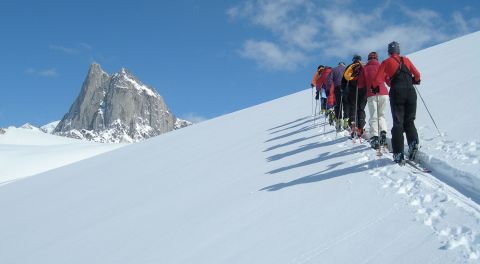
<point x="136" y="85"/>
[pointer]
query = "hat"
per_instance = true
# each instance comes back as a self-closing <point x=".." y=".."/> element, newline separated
<point x="372" y="56"/>
<point x="356" y="57"/>
<point x="394" y="48"/>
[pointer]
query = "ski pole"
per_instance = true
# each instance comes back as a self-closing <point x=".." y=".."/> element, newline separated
<point x="340" y="114"/>
<point x="356" y="111"/>
<point x="325" y="120"/>
<point x="438" y="130"/>
<point x="378" y="120"/>
<point x="312" y="102"/>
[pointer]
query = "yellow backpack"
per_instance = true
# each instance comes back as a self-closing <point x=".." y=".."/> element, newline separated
<point x="352" y="71"/>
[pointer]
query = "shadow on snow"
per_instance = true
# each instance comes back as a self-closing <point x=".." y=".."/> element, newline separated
<point x="306" y="148"/>
<point x="322" y="157"/>
<point x="325" y="175"/>
<point x="291" y="127"/>
<point x="289" y="123"/>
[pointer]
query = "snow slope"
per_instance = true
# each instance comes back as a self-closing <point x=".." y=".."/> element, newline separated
<point x="29" y="151"/>
<point x="261" y="185"/>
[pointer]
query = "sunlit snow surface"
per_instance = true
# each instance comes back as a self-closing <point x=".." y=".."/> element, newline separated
<point x="29" y="151"/>
<point x="263" y="185"/>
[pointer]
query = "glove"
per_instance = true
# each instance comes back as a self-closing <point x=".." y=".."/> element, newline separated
<point x="415" y="82"/>
<point x="311" y="85"/>
<point x="317" y="95"/>
<point x="375" y="90"/>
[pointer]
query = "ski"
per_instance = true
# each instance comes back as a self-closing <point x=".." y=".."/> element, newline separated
<point x="417" y="166"/>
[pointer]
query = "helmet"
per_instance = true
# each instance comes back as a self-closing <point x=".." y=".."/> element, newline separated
<point x="394" y="48"/>
<point x="356" y="57"/>
<point x="372" y="56"/>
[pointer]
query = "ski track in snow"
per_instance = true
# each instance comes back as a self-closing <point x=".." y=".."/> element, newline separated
<point x="427" y="197"/>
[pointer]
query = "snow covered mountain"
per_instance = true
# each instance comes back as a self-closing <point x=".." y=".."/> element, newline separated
<point x="267" y="184"/>
<point x="50" y="127"/>
<point x="117" y="108"/>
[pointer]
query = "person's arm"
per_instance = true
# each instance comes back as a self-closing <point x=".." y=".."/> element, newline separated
<point x="361" y="82"/>
<point x="414" y="71"/>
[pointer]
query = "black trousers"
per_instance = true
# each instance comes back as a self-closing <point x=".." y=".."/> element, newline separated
<point x="357" y="105"/>
<point x="403" y="103"/>
<point x="340" y="98"/>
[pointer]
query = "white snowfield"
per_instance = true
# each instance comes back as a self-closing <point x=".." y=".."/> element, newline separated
<point x="29" y="151"/>
<point x="261" y="185"/>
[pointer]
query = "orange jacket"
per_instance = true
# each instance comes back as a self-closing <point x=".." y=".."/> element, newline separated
<point x="315" y="76"/>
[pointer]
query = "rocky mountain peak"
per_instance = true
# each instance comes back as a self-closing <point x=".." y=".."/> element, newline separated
<point x="116" y="108"/>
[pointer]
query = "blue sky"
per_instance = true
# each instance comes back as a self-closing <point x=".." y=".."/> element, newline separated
<point x="206" y="58"/>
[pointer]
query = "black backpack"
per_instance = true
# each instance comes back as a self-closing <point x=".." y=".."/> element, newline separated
<point x="402" y="75"/>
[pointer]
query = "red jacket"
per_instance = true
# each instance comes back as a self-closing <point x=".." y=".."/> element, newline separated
<point x="390" y="66"/>
<point x="331" y="96"/>
<point x="322" y="79"/>
<point x="367" y="76"/>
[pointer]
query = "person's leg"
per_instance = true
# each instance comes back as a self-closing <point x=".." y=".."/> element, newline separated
<point x="372" y="110"/>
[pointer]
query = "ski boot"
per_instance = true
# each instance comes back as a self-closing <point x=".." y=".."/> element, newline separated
<point x="383" y="138"/>
<point x="398" y="158"/>
<point x="374" y="143"/>
<point x="359" y="132"/>
<point x="338" y="125"/>
<point x="345" y="124"/>
<point x="353" y="131"/>
<point x="412" y="150"/>
<point x="331" y="117"/>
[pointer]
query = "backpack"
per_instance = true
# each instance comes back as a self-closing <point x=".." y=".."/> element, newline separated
<point x="352" y="71"/>
<point x="402" y="74"/>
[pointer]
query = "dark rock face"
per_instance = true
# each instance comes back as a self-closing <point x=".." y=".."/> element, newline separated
<point x="116" y="108"/>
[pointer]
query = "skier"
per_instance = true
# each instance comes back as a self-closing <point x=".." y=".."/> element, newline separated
<point x="403" y="100"/>
<point x="357" y="99"/>
<point x="315" y="76"/>
<point x="322" y="87"/>
<point x="377" y="100"/>
<point x="341" y="106"/>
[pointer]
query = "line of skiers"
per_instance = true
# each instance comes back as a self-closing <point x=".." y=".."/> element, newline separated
<point x="345" y="91"/>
